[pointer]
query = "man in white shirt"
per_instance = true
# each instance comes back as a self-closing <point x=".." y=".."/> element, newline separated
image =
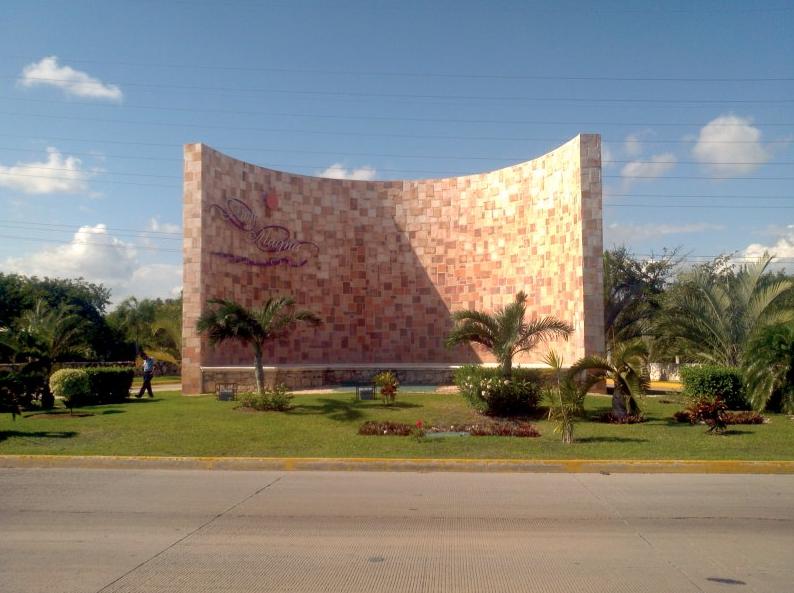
<point x="148" y="373"/>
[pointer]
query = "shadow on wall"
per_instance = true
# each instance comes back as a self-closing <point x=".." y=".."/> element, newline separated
<point x="366" y="282"/>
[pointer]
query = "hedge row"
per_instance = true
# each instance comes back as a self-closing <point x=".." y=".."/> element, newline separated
<point x="92" y="386"/>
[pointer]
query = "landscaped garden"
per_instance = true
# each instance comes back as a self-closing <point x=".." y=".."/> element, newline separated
<point x="327" y="425"/>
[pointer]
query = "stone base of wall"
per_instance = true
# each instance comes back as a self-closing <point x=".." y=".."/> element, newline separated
<point x="310" y="376"/>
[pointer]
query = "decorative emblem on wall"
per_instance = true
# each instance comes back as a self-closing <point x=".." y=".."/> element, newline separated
<point x="272" y="239"/>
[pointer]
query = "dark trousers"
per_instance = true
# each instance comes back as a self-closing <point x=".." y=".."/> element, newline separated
<point x="147" y="385"/>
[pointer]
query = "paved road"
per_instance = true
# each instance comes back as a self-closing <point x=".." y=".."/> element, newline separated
<point x="68" y="530"/>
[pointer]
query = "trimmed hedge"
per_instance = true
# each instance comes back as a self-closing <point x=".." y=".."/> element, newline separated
<point x="488" y="392"/>
<point x="109" y="385"/>
<point x="715" y="381"/>
<point x="92" y="386"/>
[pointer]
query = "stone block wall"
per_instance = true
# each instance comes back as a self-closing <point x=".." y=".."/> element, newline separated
<point x="384" y="263"/>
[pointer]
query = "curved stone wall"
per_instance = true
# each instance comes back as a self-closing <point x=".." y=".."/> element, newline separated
<point x="385" y="262"/>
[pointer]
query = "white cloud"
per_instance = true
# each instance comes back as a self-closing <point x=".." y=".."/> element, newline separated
<point x="619" y="233"/>
<point x="632" y="145"/>
<point x="647" y="169"/>
<point x="163" y="227"/>
<point x="47" y="72"/>
<point x="730" y="145"/>
<point x="97" y="256"/>
<point x="58" y="174"/>
<point x="783" y="247"/>
<point x="338" y="171"/>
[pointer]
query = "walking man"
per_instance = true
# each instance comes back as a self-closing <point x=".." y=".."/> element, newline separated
<point x="148" y="373"/>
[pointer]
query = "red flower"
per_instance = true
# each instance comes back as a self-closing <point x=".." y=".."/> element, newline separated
<point x="419" y="424"/>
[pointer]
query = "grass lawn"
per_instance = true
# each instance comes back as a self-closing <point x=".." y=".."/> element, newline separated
<point x="326" y="426"/>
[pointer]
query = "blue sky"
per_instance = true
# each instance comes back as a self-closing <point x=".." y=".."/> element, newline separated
<point x="694" y="103"/>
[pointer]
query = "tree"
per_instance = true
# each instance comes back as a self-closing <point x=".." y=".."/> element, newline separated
<point x="632" y="292"/>
<point x="154" y="325"/>
<point x="627" y="368"/>
<point x="566" y="395"/>
<point x="254" y="327"/>
<point x="505" y="333"/>
<point x="45" y="335"/>
<point x="712" y="313"/>
<point x="768" y="368"/>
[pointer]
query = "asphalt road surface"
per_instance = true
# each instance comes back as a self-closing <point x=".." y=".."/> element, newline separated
<point x="70" y="530"/>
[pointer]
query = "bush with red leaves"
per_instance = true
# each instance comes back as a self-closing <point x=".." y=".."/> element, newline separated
<point x="611" y="418"/>
<point x="504" y="429"/>
<point x="388" y="428"/>
<point x="743" y="418"/>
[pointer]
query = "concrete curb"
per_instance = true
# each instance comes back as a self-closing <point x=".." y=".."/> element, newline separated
<point x="650" y="466"/>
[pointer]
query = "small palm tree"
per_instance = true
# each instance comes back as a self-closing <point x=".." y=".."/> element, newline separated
<point x="231" y="321"/>
<point x="505" y="333"/>
<point x="566" y="395"/>
<point x="627" y="368"/>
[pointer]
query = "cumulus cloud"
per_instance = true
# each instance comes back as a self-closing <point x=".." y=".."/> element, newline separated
<point x="338" y="171"/>
<point x="632" y="145"/>
<point x="47" y="72"/>
<point x="730" y="145"/>
<point x="94" y="254"/>
<point x="650" y="168"/>
<point x="783" y="247"/>
<point x="163" y="227"/>
<point x="57" y="174"/>
<point x="618" y="233"/>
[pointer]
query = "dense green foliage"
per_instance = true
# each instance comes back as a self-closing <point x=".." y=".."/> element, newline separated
<point x="109" y="384"/>
<point x="506" y="333"/>
<point x="769" y="369"/>
<point x="72" y="385"/>
<point x="715" y="381"/>
<point x="489" y="392"/>
<point x="153" y="325"/>
<point x="276" y="399"/>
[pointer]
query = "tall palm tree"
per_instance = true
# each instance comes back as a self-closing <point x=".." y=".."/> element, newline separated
<point x="231" y="321"/>
<point x="505" y="332"/>
<point x="627" y="368"/>
<point x="165" y="342"/>
<point x="715" y="316"/>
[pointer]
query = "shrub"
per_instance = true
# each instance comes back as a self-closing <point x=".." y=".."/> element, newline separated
<point x="612" y="418"/>
<point x="504" y="429"/>
<point x="110" y="384"/>
<point x="715" y="381"/>
<point x="388" y="383"/>
<point x="743" y="418"/>
<point x="276" y="399"/>
<point x="388" y="428"/>
<point x="489" y="392"/>
<point x="73" y="386"/>
<point x="709" y="410"/>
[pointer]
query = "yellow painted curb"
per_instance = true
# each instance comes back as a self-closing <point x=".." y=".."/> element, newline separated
<point x="647" y="466"/>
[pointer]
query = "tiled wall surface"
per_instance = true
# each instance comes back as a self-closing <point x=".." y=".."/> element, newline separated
<point x="393" y="258"/>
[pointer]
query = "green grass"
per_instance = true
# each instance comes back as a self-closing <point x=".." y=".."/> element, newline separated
<point x="158" y="380"/>
<point x="326" y="426"/>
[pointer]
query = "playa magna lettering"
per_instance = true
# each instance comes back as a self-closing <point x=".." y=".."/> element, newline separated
<point x="267" y="238"/>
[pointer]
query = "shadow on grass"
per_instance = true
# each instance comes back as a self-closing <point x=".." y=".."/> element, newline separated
<point x="42" y="434"/>
<point x="142" y="400"/>
<point x="610" y="440"/>
<point x="346" y="410"/>
<point x="104" y="412"/>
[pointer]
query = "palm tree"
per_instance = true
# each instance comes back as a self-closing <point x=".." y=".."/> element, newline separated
<point x="231" y="321"/>
<point x="46" y="335"/>
<point x="715" y="315"/>
<point x="166" y="339"/>
<point x="768" y="368"/>
<point x="566" y="395"/>
<point x="627" y="368"/>
<point x="505" y="333"/>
